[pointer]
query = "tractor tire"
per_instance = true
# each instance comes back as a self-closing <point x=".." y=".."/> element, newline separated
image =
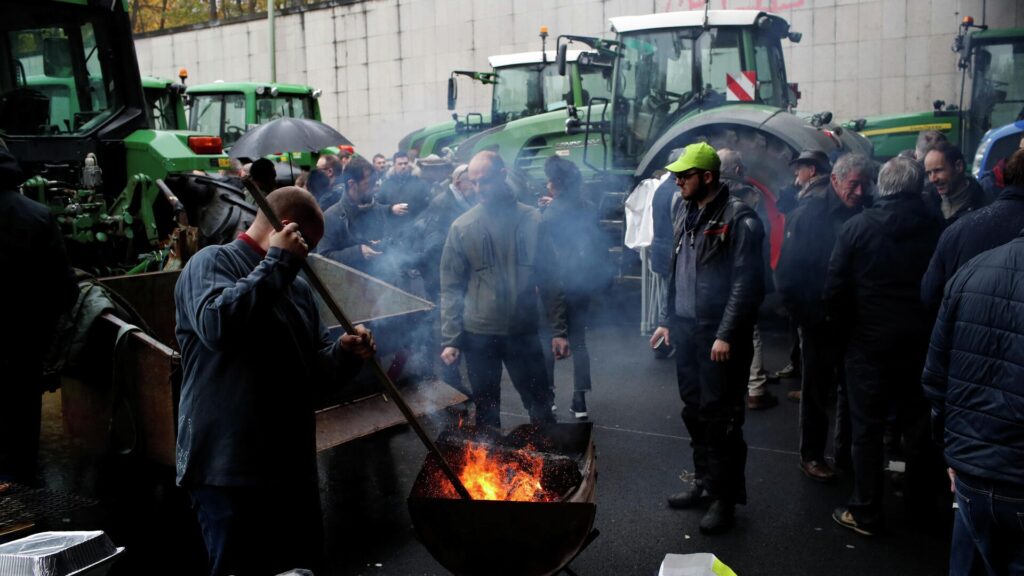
<point x="218" y="208"/>
<point x="765" y="156"/>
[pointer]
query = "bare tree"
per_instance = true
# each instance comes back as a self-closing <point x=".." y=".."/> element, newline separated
<point x="213" y="9"/>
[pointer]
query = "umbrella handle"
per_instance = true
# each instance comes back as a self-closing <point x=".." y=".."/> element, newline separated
<point x="379" y="372"/>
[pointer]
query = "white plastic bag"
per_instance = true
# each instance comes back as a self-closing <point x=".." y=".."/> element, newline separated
<point x="700" y="564"/>
<point x="639" y="217"/>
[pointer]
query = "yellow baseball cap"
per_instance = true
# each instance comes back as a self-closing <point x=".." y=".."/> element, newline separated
<point x="700" y="155"/>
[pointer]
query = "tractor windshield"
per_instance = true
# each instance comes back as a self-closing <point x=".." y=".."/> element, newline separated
<point x="995" y="99"/>
<point x="663" y="75"/>
<point x="162" y="107"/>
<point x="283" y="106"/>
<point x="58" y="73"/>
<point x="523" y="91"/>
<point x="219" y="114"/>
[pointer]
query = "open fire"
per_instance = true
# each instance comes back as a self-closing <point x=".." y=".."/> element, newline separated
<point x="495" y="474"/>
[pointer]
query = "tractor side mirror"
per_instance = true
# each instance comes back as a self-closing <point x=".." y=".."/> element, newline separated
<point x="56" y="57"/>
<point x="453" y="92"/>
<point x="562" y="53"/>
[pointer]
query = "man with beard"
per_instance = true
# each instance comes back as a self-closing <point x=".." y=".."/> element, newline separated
<point x="811" y="232"/>
<point x="715" y="289"/>
<point x="356" y="229"/>
<point x="496" y="259"/>
<point x="404" y="189"/>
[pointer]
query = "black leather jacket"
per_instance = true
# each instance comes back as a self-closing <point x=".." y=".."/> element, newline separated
<point x="730" y="267"/>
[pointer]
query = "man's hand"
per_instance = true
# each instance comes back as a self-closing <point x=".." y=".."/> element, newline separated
<point x="543" y="201"/>
<point x="560" y="348"/>
<point x="400" y="209"/>
<point x="450" y="355"/>
<point x="289" y="239"/>
<point x="660" y="337"/>
<point x="720" y="351"/>
<point x="952" y="479"/>
<point x="369" y="253"/>
<point x="361" y="343"/>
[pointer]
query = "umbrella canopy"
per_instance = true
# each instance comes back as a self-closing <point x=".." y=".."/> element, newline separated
<point x="287" y="135"/>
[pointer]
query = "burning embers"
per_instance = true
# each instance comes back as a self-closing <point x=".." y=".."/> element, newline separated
<point x="496" y="473"/>
<point x="532" y="508"/>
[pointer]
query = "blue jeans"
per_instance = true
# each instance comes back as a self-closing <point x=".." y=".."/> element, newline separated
<point x="991" y="517"/>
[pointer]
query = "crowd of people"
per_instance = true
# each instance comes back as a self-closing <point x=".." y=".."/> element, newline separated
<point x="870" y="261"/>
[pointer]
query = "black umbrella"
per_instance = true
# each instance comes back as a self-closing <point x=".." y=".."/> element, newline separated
<point x="287" y="135"/>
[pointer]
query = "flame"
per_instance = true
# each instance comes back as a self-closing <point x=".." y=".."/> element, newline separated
<point x="498" y="476"/>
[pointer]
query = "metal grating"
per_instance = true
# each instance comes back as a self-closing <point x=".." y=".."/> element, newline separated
<point x="21" y="504"/>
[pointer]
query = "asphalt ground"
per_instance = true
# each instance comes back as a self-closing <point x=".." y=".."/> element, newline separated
<point x="642" y="450"/>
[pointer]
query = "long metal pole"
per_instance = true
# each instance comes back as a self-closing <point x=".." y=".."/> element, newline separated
<point x="273" y="41"/>
<point x="382" y="376"/>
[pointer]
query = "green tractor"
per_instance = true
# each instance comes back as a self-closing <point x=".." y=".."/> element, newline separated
<point x="524" y="85"/>
<point x="994" y="59"/>
<point x="229" y="109"/>
<point x="674" y="78"/>
<point x="73" y="112"/>
<point x="165" y="103"/>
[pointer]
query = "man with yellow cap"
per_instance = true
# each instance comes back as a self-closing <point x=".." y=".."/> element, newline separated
<point x="710" y="308"/>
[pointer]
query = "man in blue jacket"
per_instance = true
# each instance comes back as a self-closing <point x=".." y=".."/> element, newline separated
<point x="974" y="378"/>
<point x="253" y="355"/>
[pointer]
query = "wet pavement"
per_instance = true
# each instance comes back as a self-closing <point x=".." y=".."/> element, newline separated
<point x="642" y="451"/>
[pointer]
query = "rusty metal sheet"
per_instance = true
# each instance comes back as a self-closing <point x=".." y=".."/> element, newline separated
<point x="152" y="296"/>
<point x="340" y="424"/>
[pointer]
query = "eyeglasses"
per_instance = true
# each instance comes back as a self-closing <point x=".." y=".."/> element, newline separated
<point x="688" y="174"/>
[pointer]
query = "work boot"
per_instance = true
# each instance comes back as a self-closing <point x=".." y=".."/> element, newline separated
<point x="688" y="498"/>
<point x="789" y="371"/>
<point x="762" y="402"/>
<point x="579" y="405"/>
<point x="817" y="470"/>
<point x="719" y="518"/>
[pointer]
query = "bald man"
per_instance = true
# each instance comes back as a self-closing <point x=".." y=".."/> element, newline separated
<point x="495" y="261"/>
<point x="253" y="354"/>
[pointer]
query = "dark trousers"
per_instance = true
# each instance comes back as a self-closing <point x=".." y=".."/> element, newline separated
<point x="988" y="528"/>
<point x="821" y="375"/>
<point x="577" y="317"/>
<point x="20" y="416"/>
<point x="714" y="399"/>
<point x="521" y="355"/>
<point x="878" y="380"/>
<point x="260" y="531"/>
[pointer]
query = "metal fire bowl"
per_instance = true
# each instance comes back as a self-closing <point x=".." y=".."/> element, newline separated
<point x="498" y="538"/>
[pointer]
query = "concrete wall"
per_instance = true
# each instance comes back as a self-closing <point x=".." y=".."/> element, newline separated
<point x="383" y="64"/>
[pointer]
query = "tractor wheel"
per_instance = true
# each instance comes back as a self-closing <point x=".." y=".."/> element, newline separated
<point x="216" y="207"/>
<point x="765" y="157"/>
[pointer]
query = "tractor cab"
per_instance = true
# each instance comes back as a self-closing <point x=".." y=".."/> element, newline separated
<point x="165" y="103"/>
<point x="669" y="67"/>
<point x="229" y="109"/>
<point x="996" y="59"/>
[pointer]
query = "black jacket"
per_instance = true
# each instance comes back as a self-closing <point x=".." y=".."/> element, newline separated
<point x="981" y="230"/>
<point x="431" y="229"/>
<point x="581" y="250"/>
<point x="974" y="375"/>
<point x="730" y="267"/>
<point x="39" y="284"/>
<point x="348" y="226"/>
<point x="406" y="189"/>
<point x="811" y="232"/>
<point x="976" y="198"/>
<point x="874" y="274"/>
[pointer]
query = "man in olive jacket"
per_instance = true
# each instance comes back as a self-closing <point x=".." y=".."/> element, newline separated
<point x="496" y="258"/>
<point x="716" y="286"/>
